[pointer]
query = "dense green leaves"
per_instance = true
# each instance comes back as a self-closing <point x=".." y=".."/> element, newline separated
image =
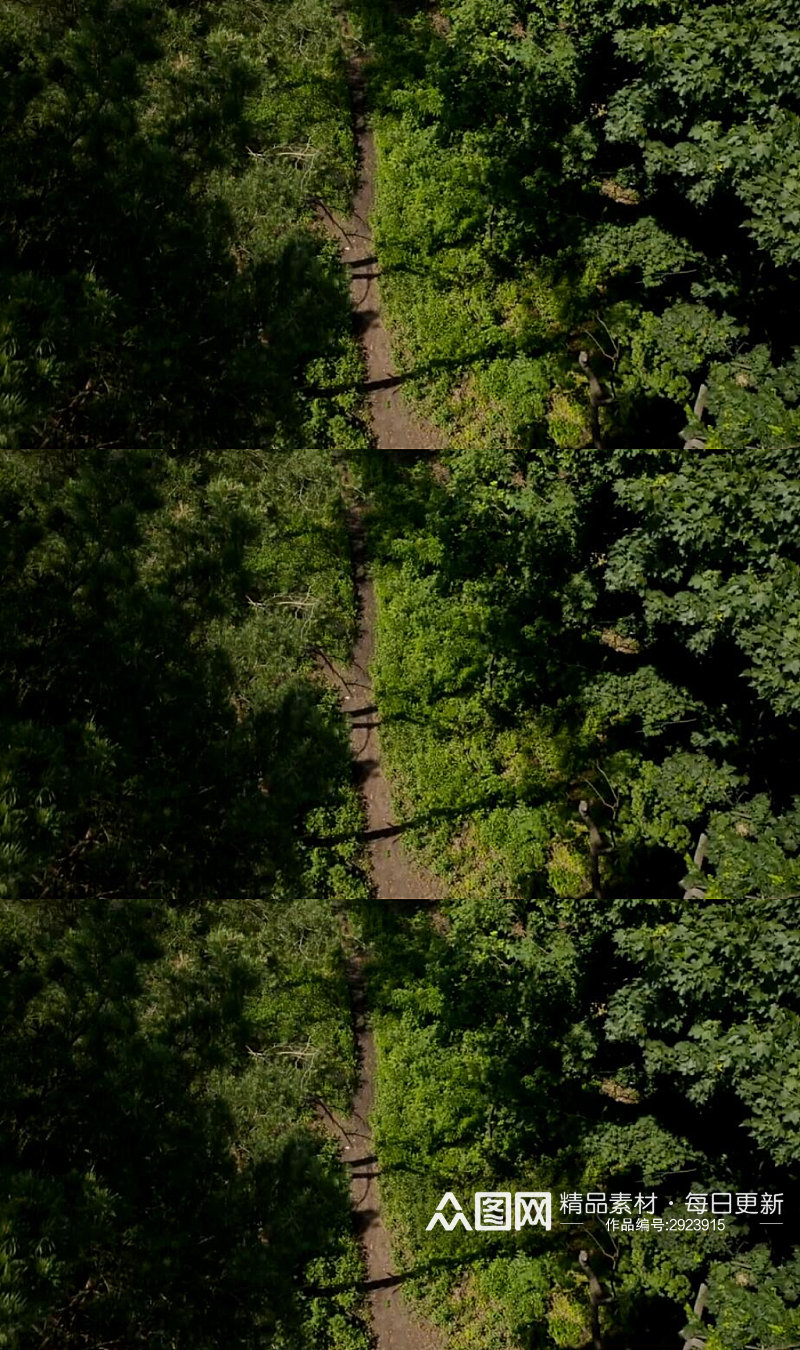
<point x="619" y="627"/>
<point x="632" y="1048"/>
<point x="588" y="669"/>
<point x="588" y="687"/>
<point x="165" y="736"/>
<point x="162" y="734"/>
<point x="162" y="282"/>
<point x="160" y="1184"/>
<point x="601" y="176"/>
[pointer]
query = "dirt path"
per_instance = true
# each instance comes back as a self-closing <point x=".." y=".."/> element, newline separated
<point x="394" y="875"/>
<point x="394" y="424"/>
<point x="394" y="1325"/>
<point x="394" y="427"/>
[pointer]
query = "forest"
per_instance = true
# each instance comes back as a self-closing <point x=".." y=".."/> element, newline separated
<point x="618" y="177"/>
<point x="579" y="599"/>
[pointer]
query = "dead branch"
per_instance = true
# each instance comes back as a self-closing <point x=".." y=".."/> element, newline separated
<point x="596" y="1297"/>
<point x="597" y="399"/>
<point x="694" y="1342"/>
<point x="596" y="847"/>
<point x="700" y="403"/>
<point x="698" y="892"/>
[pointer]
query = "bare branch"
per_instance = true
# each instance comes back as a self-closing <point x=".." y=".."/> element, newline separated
<point x="596" y="1298"/>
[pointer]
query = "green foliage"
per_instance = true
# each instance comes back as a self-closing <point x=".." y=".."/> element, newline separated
<point x="617" y="628"/>
<point x="592" y="175"/>
<point x="629" y="1046"/>
<point x="164" y="281"/>
<point x="161" y="1184"/>
<point x="712" y="1008"/>
<point x="166" y="734"/>
<point x="163" y="731"/>
<point x="620" y="628"/>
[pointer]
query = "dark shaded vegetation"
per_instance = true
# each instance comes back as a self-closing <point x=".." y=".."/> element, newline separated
<point x="164" y="736"/>
<point x="167" y="296"/>
<point x="161" y="283"/>
<point x="161" y="733"/>
<point x="160" y="1186"/>
<point x="588" y="669"/>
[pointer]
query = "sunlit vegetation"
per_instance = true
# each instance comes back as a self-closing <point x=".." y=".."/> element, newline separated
<point x="588" y="670"/>
<point x="627" y="1047"/>
<point x="600" y="176"/>
<point x="588" y="675"/>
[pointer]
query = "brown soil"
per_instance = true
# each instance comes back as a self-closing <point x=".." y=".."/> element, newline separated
<point x="394" y="427"/>
<point x="394" y="875"/>
<point x="394" y="1325"/>
<point x="394" y="424"/>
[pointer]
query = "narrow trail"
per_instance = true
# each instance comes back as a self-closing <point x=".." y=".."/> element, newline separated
<point x="395" y="876"/>
<point x="394" y="1326"/>
<point x="394" y="425"/>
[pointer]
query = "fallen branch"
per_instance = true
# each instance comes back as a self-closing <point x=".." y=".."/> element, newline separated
<point x="698" y="892"/>
<point x="596" y="847"/>
<point x="700" y="403"/>
<point x="596" y="399"/>
<point x="694" y="1342"/>
<point x="596" y="1297"/>
<point x="318" y="1102"/>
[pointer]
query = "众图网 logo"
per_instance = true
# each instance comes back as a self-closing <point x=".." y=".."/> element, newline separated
<point x="493" y="1211"/>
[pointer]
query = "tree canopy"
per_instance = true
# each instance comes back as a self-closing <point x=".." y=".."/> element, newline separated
<point x="587" y="670"/>
<point x="594" y="176"/>
<point x="159" y="172"/>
